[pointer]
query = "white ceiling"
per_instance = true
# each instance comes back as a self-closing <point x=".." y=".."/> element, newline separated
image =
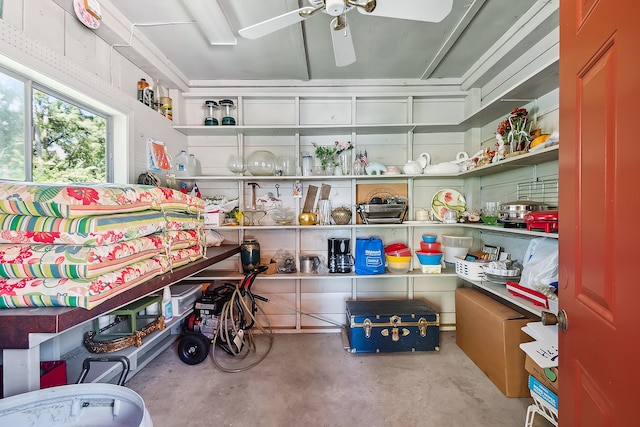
<point x="386" y="48"/>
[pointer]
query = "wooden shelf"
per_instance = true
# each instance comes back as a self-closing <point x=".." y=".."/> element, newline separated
<point x="539" y="82"/>
<point x="501" y="292"/>
<point x="303" y="130"/>
<point x="232" y="275"/>
<point x="406" y="224"/>
<point x="543" y="155"/>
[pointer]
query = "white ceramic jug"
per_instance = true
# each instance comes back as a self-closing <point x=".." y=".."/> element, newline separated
<point x="415" y="167"/>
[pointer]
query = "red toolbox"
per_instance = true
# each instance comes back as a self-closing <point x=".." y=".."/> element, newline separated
<point x="546" y="221"/>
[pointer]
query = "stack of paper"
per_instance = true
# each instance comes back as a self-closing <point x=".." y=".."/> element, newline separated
<point x="544" y="350"/>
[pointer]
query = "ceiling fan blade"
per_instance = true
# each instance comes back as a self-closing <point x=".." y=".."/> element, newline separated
<point x="342" y="42"/>
<point x="269" y="26"/>
<point x="416" y="10"/>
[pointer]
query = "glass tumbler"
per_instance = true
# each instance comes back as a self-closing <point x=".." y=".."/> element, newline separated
<point x="490" y="213"/>
<point x="324" y="212"/>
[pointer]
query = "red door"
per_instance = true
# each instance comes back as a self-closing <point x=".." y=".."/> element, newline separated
<point x="600" y="212"/>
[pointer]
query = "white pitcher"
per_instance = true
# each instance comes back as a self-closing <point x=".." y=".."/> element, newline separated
<point x="415" y="167"/>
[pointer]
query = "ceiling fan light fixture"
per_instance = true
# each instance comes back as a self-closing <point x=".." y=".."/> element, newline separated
<point x="338" y="24"/>
<point x="368" y="6"/>
<point x="211" y="21"/>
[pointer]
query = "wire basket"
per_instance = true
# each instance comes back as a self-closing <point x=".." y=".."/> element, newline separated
<point x="543" y="408"/>
<point x="470" y="270"/>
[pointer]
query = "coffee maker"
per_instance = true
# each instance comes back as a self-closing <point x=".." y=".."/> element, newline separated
<point x="339" y="255"/>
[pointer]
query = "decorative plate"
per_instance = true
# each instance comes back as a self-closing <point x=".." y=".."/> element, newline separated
<point x="447" y="199"/>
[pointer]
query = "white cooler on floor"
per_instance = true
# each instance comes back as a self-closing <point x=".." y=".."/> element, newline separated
<point x="90" y="405"/>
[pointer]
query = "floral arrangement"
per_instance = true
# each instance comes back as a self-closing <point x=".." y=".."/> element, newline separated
<point x="343" y="146"/>
<point x="514" y="131"/>
<point x="327" y="155"/>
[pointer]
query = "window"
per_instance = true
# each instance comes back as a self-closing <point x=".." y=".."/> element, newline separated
<point x="46" y="137"/>
<point x="12" y="128"/>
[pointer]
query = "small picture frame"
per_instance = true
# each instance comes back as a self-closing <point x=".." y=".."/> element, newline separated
<point x="493" y="251"/>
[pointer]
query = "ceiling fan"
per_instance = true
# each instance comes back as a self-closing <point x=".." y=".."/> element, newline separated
<point x="417" y="10"/>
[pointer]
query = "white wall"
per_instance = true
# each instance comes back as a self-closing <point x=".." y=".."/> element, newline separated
<point x="44" y="42"/>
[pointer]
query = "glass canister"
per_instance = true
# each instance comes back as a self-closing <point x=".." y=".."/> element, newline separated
<point x="250" y="254"/>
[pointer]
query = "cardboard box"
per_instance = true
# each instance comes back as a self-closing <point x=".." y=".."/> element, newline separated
<point x="273" y="266"/>
<point x="547" y="376"/>
<point x="215" y="219"/>
<point x="489" y="333"/>
<point x="543" y="393"/>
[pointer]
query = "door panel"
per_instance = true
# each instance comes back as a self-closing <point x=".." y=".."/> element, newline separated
<point x="599" y="284"/>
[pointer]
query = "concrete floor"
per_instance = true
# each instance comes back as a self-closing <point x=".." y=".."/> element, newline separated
<point x="310" y="380"/>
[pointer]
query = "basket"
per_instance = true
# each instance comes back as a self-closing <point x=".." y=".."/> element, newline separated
<point x="470" y="270"/>
<point x="543" y="408"/>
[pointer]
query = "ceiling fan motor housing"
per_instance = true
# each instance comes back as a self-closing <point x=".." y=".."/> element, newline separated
<point x="332" y="7"/>
<point x="335" y="7"/>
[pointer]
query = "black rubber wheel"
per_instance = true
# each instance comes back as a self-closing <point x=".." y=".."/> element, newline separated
<point x="193" y="348"/>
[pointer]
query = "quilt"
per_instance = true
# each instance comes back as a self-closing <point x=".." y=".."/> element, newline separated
<point x="74" y="201"/>
<point x="85" y="293"/>
<point x="23" y="260"/>
<point x="92" y="230"/>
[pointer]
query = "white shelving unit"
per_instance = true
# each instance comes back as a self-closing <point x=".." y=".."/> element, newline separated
<point x="393" y="128"/>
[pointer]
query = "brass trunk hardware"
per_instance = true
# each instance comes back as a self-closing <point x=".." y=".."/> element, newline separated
<point x="422" y="325"/>
<point x="395" y="333"/>
<point x="394" y="322"/>
<point x="367" y="328"/>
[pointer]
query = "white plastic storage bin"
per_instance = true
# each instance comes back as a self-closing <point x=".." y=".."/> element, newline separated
<point x="183" y="297"/>
<point x="455" y="247"/>
<point x="470" y="270"/>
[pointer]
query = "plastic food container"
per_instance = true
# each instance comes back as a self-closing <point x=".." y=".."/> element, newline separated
<point x="183" y="297"/>
<point x="394" y="247"/>
<point x="406" y="252"/>
<point x="430" y="247"/>
<point x="455" y="247"/>
<point x="428" y="238"/>
<point x="398" y="264"/>
<point x="429" y="258"/>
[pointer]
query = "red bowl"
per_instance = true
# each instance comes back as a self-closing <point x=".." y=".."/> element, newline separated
<point x="430" y="247"/>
